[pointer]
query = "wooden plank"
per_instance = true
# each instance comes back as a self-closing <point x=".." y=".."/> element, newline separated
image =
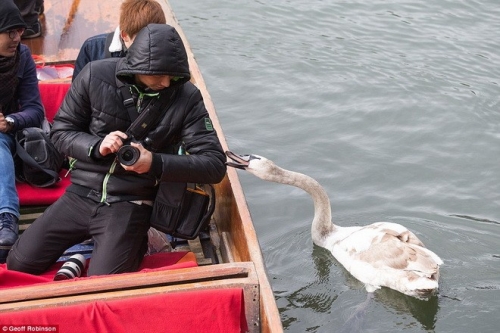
<point x="127" y="281"/>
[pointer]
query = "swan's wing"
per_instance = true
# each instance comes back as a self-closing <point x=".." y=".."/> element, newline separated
<point x="394" y="254"/>
<point x="386" y="246"/>
<point x="359" y="239"/>
<point x="396" y="230"/>
<point x="405" y="236"/>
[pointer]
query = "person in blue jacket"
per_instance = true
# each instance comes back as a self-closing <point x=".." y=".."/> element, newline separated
<point x="20" y="107"/>
<point x="134" y="15"/>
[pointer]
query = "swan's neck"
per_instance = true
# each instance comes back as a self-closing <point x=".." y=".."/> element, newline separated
<point x="322" y="225"/>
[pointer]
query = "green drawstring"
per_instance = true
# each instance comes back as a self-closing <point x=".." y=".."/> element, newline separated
<point x="141" y="97"/>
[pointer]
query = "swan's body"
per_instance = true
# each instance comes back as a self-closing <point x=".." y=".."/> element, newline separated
<point x="381" y="254"/>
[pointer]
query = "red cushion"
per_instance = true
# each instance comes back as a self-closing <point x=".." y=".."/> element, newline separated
<point x="217" y="310"/>
<point x="212" y="310"/>
<point x="38" y="196"/>
<point x="52" y="96"/>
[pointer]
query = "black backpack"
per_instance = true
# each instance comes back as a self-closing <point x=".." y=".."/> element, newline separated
<point x="37" y="161"/>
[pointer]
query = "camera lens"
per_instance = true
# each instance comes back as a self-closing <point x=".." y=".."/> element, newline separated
<point x="71" y="268"/>
<point x="128" y="155"/>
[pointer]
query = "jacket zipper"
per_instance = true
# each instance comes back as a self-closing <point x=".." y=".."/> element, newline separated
<point x="113" y="165"/>
<point x="105" y="183"/>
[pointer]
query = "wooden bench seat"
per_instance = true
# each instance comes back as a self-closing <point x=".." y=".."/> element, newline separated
<point x="196" y="286"/>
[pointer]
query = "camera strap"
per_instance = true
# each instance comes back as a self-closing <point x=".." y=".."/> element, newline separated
<point x="142" y="123"/>
<point x="128" y="102"/>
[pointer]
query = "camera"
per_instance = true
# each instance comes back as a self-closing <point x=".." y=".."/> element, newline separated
<point x="72" y="268"/>
<point x="137" y="132"/>
<point x="128" y="155"/>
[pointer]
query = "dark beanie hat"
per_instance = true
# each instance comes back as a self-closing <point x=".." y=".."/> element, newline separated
<point x="10" y="16"/>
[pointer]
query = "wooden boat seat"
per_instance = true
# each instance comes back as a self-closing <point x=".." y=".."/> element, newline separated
<point x="224" y="295"/>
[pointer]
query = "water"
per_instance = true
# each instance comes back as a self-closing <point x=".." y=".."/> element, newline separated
<point x="394" y="107"/>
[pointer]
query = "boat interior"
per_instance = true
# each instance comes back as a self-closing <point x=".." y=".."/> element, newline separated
<point x="220" y="272"/>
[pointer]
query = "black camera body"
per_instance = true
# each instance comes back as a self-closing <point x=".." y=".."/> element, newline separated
<point x="127" y="154"/>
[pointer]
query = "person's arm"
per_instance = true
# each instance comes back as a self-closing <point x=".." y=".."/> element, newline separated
<point x="30" y="112"/>
<point x="205" y="159"/>
<point x="92" y="49"/>
<point x="70" y="131"/>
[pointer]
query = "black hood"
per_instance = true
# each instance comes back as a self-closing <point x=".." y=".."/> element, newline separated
<point x="157" y="50"/>
<point x="10" y="17"/>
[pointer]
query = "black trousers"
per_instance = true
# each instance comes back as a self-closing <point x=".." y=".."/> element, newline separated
<point x="119" y="231"/>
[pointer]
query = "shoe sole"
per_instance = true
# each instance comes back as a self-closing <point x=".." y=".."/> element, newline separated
<point x="32" y="36"/>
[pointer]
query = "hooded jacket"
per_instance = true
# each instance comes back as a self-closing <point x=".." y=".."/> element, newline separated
<point x="94" y="107"/>
<point x="10" y="16"/>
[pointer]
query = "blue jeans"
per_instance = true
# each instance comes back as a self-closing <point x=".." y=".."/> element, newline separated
<point x="9" y="200"/>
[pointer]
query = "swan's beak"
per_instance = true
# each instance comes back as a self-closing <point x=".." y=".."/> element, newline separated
<point x="239" y="161"/>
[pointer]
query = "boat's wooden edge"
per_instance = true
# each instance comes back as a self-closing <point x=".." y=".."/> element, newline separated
<point x="128" y="281"/>
<point x="63" y="293"/>
<point x="240" y="275"/>
<point x="250" y="290"/>
<point x="239" y="210"/>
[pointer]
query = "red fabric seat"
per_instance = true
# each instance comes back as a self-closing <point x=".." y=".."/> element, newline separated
<point x="52" y="96"/>
<point x="211" y="310"/>
<point x="36" y="196"/>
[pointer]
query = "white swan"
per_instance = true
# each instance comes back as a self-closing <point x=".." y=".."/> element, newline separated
<point x="381" y="254"/>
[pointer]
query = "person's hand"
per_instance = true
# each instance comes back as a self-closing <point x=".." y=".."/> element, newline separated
<point x="112" y="142"/>
<point x="4" y="125"/>
<point x="144" y="162"/>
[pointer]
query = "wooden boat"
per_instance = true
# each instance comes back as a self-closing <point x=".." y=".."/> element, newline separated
<point x="228" y="257"/>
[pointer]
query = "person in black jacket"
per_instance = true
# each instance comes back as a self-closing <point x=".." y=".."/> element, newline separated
<point x="109" y="201"/>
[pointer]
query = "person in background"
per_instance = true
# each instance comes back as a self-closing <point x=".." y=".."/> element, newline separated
<point x="20" y="107"/>
<point x="134" y="15"/>
<point x="30" y="11"/>
<point x="109" y="201"/>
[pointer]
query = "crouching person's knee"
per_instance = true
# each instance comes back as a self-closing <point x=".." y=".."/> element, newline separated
<point x="15" y="262"/>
